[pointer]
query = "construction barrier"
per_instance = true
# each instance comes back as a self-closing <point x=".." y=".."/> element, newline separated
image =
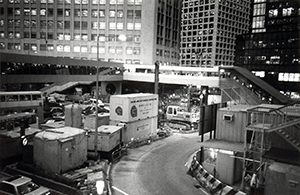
<point x="209" y="182"/>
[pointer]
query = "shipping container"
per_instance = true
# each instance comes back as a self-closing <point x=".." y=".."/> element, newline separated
<point x="109" y="136"/>
<point x="89" y="120"/>
<point x="133" y="107"/>
<point x="59" y="150"/>
<point x="140" y="129"/>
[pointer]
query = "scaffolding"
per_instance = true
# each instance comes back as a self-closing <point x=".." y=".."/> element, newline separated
<point x="261" y="121"/>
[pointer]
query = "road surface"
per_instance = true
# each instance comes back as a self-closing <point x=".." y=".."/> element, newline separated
<point x="157" y="168"/>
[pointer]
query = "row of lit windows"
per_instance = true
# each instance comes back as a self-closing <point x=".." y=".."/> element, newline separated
<point x="199" y="44"/>
<point x="77" y="25"/>
<point x="77" y="13"/>
<point x="205" y="63"/>
<point x="258" y="22"/>
<point x="197" y="62"/>
<point x="198" y="21"/>
<point x="67" y="36"/>
<point x="166" y="53"/>
<point x="291" y="77"/>
<point x="271" y="58"/>
<point x="198" y="9"/>
<point x="82" y="2"/>
<point x="259" y="9"/>
<point x="189" y="3"/>
<point x="292" y="42"/>
<point x="290" y="11"/>
<point x="67" y="48"/>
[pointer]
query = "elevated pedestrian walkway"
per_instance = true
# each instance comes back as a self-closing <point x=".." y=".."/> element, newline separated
<point x="245" y="76"/>
<point x="59" y="87"/>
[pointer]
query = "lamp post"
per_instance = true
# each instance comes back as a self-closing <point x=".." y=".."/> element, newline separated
<point x="201" y="126"/>
<point x="156" y="78"/>
<point x="97" y="99"/>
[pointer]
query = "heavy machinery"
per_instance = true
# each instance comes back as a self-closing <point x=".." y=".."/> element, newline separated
<point x="183" y="112"/>
<point x="182" y="118"/>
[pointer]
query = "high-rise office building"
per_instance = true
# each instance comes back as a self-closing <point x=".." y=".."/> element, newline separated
<point x="209" y="29"/>
<point x="272" y="49"/>
<point x="126" y="31"/>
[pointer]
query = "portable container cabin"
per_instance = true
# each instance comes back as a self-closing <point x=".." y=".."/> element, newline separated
<point x="140" y="129"/>
<point x="133" y="107"/>
<point x="59" y="150"/>
<point x="109" y="137"/>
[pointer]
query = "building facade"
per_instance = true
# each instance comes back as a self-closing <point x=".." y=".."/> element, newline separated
<point x="271" y="50"/>
<point x="126" y="31"/>
<point x="209" y="29"/>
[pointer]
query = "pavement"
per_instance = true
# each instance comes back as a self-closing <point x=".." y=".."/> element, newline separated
<point x="125" y="168"/>
<point x="135" y="155"/>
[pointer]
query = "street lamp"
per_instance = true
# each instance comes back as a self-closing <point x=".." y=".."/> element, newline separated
<point x="97" y="99"/>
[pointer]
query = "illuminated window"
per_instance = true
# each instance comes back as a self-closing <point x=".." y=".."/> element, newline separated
<point x="67" y="36"/>
<point x="287" y="11"/>
<point x="33" y="12"/>
<point x="111" y="37"/>
<point x="258" y="22"/>
<point x="259" y="9"/>
<point x="112" y="25"/>
<point x="120" y="2"/>
<point x="273" y="13"/>
<point x="111" y="50"/>
<point x="112" y="13"/>
<point x="101" y="49"/>
<point x="129" y="26"/>
<point x="102" y="38"/>
<point x="76" y="48"/>
<point x="129" y="50"/>
<point x="17" y="12"/>
<point x="137" y="26"/>
<point x="95" y="13"/>
<point x="43" y="12"/>
<point x="84" y="49"/>
<point x="2" y="45"/>
<point x="102" y="25"/>
<point x="101" y="13"/>
<point x="67" y="13"/>
<point x="59" y="48"/>
<point x="93" y="49"/>
<point x="120" y="13"/>
<point x="136" y="50"/>
<point x="119" y="50"/>
<point x="77" y="37"/>
<point x="137" y="38"/>
<point x="84" y="13"/>
<point x="84" y="37"/>
<point x="67" y="48"/>
<point x="60" y="36"/>
<point x="120" y="26"/>
<point x="60" y="24"/>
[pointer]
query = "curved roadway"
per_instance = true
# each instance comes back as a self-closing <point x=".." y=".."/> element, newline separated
<point x="158" y="168"/>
